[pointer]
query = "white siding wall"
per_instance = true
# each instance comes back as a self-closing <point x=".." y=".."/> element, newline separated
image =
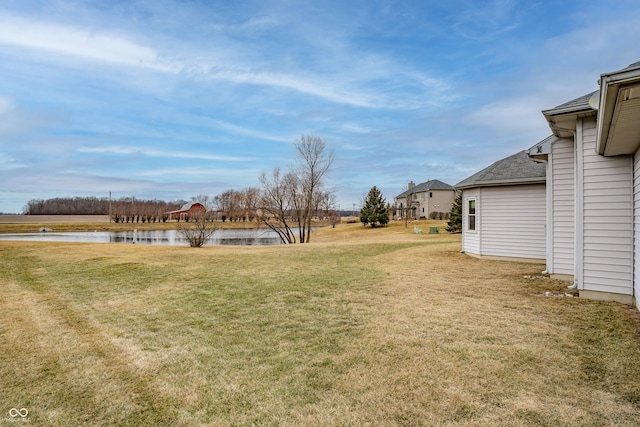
<point x="471" y="239"/>
<point x="607" y="218"/>
<point x="563" y="206"/>
<point x="513" y="221"/>
<point x="636" y="227"/>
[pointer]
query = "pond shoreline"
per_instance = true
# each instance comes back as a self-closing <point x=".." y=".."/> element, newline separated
<point x="67" y="223"/>
<point x="236" y="237"/>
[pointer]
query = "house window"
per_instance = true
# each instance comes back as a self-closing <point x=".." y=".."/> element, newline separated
<point x="471" y="222"/>
<point x="430" y="194"/>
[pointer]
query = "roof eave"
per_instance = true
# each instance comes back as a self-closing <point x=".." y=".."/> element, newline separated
<point x="562" y="122"/>
<point x="614" y="99"/>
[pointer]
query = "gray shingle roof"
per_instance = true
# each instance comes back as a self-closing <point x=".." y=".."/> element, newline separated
<point x="578" y="104"/>
<point x="516" y="169"/>
<point x="433" y="184"/>
<point x="632" y="66"/>
<point x="581" y="103"/>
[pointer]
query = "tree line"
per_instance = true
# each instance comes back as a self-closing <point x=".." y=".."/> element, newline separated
<point x="124" y="209"/>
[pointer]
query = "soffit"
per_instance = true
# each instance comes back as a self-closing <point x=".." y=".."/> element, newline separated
<point x="624" y="133"/>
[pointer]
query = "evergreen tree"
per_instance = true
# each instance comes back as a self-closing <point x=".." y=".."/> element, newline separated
<point x="375" y="210"/>
<point x="454" y="225"/>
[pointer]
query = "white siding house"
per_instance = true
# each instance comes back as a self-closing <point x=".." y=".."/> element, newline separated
<point x="504" y="210"/>
<point x="592" y="195"/>
<point x="595" y="188"/>
<point x="636" y="225"/>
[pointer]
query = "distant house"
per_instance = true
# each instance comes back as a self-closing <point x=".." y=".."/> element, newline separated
<point x="504" y="210"/>
<point x="420" y="201"/>
<point x="186" y="210"/>
<point x="592" y="196"/>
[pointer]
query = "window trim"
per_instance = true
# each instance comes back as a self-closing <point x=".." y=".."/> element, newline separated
<point x="473" y="215"/>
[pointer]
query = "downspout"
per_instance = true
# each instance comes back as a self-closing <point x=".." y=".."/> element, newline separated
<point x="549" y="211"/>
<point x="549" y="214"/>
<point x="575" y="237"/>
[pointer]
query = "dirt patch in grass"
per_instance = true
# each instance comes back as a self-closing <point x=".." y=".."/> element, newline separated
<point x="361" y="327"/>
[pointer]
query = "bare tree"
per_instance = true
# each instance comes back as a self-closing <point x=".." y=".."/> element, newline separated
<point x="313" y="161"/>
<point x="251" y="198"/>
<point x="229" y="205"/>
<point x="199" y="229"/>
<point x="276" y="203"/>
<point x="297" y="195"/>
<point x="204" y="200"/>
<point x="326" y="203"/>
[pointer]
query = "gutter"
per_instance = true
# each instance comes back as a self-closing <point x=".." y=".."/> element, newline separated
<point x="501" y="183"/>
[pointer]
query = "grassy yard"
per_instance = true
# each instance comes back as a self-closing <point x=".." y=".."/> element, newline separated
<point x="360" y="327"/>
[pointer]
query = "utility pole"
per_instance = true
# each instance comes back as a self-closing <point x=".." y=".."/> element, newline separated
<point x="109" y="206"/>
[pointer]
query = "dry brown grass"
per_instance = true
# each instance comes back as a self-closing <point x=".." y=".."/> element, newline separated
<point x="361" y="327"/>
<point x="52" y="219"/>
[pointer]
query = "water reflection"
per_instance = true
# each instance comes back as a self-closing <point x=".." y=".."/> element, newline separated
<point x="242" y="237"/>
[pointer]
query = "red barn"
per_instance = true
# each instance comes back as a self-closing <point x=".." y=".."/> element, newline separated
<point x="186" y="210"/>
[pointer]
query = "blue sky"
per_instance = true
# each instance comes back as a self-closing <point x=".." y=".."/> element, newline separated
<point x="171" y="99"/>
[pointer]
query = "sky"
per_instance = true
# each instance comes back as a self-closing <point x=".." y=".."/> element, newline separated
<point x="170" y="99"/>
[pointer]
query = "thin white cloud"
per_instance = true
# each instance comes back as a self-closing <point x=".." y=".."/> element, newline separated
<point x="202" y="173"/>
<point x="249" y="132"/>
<point x="519" y="115"/>
<point x="15" y="120"/>
<point x="5" y="106"/>
<point x="489" y="19"/>
<point x="306" y="85"/>
<point x="109" y="47"/>
<point x="8" y="163"/>
<point x="79" y="42"/>
<point x="356" y="128"/>
<point x="123" y="150"/>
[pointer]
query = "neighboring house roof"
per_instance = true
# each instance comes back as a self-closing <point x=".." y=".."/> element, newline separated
<point x="516" y="169"/>
<point x="432" y="185"/>
<point x="630" y="67"/>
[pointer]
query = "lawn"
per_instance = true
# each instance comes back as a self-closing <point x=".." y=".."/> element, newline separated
<point x="360" y="327"/>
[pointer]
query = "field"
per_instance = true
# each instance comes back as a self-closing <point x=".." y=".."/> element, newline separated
<point x="378" y="327"/>
<point x="53" y="219"/>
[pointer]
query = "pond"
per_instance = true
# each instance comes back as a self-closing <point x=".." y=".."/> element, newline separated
<point x="154" y="237"/>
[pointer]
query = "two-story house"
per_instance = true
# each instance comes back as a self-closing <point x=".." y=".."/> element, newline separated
<point x="424" y="200"/>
